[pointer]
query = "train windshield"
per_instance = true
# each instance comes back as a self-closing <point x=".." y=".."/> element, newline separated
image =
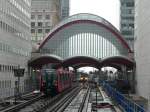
<point x="49" y="75"/>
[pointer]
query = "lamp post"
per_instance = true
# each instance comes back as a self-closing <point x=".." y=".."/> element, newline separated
<point x="19" y="72"/>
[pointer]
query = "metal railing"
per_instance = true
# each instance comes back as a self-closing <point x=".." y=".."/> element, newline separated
<point x="127" y="104"/>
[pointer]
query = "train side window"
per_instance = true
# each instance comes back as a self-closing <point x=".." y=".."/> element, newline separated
<point x="55" y="76"/>
<point x="66" y="76"/>
<point x="63" y="76"/>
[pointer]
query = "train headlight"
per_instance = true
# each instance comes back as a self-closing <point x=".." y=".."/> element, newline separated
<point x="86" y="78"/>
<point x="81" y="78"/>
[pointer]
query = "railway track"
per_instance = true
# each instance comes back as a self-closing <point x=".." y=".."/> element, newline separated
<point x="59" y="106"/>
<point x="84" y="100"/>
<point x="75" y="99"/>
<point x="10" y="102"/>
<point x="78" y="102"/>
<point x="38" y="104"/>
<point x="15" y="108"/>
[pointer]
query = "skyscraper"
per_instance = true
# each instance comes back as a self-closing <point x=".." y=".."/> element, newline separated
<point x="15" y="43"/>
<point x="45" y="15"/>
<point x="127" y="21"/>
<point x="64" y="8"/>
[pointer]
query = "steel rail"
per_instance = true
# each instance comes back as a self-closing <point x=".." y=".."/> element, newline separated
<point x="21" y="105"/>
<point x="83" y="100"/>
<point x="64" y="102"/>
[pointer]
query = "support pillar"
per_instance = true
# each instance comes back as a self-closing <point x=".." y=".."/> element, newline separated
<point x="124" y="72"/>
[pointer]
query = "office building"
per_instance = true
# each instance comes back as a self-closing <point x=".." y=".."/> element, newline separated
<point x="127" y="21"/>
<point x="64" y="8"/>
<point x="45" y="14"/>
<point x="15" y="44"/>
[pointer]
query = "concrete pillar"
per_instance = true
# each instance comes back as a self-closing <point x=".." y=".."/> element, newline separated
<point x="76" y="74"/>
<point x="133" y="81"/>
<point x="124" y="72"/>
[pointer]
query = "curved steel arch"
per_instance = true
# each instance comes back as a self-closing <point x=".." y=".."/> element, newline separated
<point x="85" y="65"/>
<point x="39" y="61"/>
<point x="80" y="60"/>
<point x="86" y="18"/>
<point x="121" y="60"/>
<point x="114" y="65"/>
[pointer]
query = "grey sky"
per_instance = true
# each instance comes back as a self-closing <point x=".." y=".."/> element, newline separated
<point x="108" y="9"/>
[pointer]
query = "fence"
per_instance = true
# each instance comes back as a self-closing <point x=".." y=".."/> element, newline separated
<point x="127" y="104"/>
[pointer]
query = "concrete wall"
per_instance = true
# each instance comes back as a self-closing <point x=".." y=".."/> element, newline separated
<point x="142" y="47"/>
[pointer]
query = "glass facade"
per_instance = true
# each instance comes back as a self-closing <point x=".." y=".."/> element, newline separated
<point x="84" y="39"/>
<point x="64" y="8"/>
<point x="127" y="21"/>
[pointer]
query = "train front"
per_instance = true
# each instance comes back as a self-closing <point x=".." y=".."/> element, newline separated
<point x="49" y="82"/>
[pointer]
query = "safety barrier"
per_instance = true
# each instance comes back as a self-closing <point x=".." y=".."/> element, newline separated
<point x="127" y="104"/>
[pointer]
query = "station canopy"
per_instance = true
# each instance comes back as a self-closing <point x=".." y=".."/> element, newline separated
<point x="86" y="39"/>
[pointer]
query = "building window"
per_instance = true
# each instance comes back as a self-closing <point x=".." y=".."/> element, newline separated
<point x="33" y="38"/>
<point x="1" y="24"/>
<point x="40" y="24"/>
<point x="0" y="67"/>
<point x="131" y="25"/>
<point x="4" y="26"/>
<point x="47" y="30"/>
<point x="39" y="30"/>
<point x="47" y="17"/>
<point x="32" y="24"/>
<point x="130" y="4"/>
<point x="127" y="32"/>
<point x="39" y="16"/>
<point x="1" y="45"/>
<point x="128" y="18"/>
<point x="3" y="84"/>
<point x="47" y="24"/>
<point x="32" y="30"/>
<point x="32" y="16"/>
<point x="123" y="25"/>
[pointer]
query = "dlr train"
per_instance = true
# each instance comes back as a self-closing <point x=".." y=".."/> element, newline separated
<point x="83" y="78"/>
<point x="54" y="81"/>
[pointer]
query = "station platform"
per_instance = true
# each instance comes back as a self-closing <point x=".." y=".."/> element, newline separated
<point x="99" y="101"/>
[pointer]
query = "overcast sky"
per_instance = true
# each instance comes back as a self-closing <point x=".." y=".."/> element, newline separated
<point x="108" y="9"/>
